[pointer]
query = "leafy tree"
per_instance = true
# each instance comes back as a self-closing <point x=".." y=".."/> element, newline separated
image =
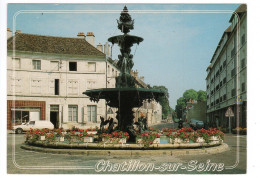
<point x="190" y="94"/>
<point x="164" y="101"/>
<point x="202" y="95"/>
<point x="181" y="104"/>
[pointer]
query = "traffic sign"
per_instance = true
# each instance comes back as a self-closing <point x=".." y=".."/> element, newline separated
<point x="229" y="112"/>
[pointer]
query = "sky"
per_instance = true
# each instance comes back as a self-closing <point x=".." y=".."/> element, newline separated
<point x="177" y="47"/>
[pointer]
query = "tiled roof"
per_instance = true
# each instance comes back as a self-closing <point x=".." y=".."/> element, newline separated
<point x="52" y="44"/>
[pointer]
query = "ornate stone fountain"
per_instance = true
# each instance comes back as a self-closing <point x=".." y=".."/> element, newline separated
<point x="126" y="95"/>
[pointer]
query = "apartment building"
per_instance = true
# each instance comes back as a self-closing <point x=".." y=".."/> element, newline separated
<point x="227" y="74"/>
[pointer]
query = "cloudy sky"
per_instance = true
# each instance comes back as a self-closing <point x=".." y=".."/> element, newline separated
<point x="179" y="40"/>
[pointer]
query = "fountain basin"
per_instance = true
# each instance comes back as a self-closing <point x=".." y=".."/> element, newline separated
<point x="133" y="96"/>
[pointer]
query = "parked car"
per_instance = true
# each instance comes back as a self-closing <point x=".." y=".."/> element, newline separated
<point x="196" y="124"/>
<point x="34" y="125"/>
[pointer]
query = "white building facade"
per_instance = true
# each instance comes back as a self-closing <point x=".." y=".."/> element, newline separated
<point x="47" y="76"/>
<point x="227" y="75"/>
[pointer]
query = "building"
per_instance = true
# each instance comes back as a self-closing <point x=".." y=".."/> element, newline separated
<point x="46" y="76"/>
<point x="196" y="110"/>
<point x="152" y="110"/>
<point x="227" y="74"/>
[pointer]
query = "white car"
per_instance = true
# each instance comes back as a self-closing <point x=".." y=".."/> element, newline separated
<point x="43" y="124"/>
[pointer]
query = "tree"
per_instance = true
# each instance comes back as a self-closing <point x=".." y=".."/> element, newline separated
<point x="190" y="94"/>
<point x="164" y="101"/>
<point x="202" y="95"/>
<point x="181" y="104"/>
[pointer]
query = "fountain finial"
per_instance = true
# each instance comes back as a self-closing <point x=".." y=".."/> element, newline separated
<point x="125" y="22"/>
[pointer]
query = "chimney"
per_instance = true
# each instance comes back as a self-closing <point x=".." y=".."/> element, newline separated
<point x="9" y="33"/>
<point x="142" y="78"/>
<point x="107" y="49"/>
<point x="136" y="73"/>
<point x="100" y="47"/>
<point x="91" y="38"/>
<point x="18" y="31"/>
<point x="81" y="35"/>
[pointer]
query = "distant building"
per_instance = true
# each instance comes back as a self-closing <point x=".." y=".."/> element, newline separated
<point x="227" y="74"/>
<point x="196" y="110"/>
<point x="152" y="110"/>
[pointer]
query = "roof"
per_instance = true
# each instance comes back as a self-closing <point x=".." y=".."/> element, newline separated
<point x="52" y="44"/>
<point x="229" y="29"/>
<point x="241" y="9"/>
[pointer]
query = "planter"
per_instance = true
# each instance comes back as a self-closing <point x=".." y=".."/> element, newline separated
<point x="214" y="138"/>
<point x="138" y="141"/>
<point x="42" y="138"/>
<point x="61" y="139"/>
<point x="200" y="140"/>
<point x="92" y="132"/>
<point x="179" y="140"/>
<point x="156" y="141"/>
<point x="88" y="139"/>
<point x="122" y="140"/>
<point x="171" y="140"/>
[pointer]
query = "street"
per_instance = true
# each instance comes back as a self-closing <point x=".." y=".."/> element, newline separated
<point x="21" y="161"/>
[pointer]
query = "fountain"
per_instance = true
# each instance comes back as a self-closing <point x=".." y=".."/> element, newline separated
<point x="126" y="95"/>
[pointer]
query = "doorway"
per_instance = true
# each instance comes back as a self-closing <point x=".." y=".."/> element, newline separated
<point x="54" y="115"/>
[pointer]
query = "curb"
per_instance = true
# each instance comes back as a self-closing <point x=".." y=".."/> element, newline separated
<point x="211" y="150"/>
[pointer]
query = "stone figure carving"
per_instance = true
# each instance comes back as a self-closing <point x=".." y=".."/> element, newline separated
<point x="102" y="124"/>
<point x="111" y="125"/>
<point x="141" y="124"/>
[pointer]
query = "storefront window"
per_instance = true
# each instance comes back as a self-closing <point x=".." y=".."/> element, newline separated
<point x="24" y="114"/>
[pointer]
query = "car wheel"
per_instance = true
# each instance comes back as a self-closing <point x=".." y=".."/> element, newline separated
<point x="19" y="131"/>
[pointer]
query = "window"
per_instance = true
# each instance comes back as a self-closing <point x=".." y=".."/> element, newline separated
<point x="221" y="68"/>
<point x="72" y="66"/>
<point x="221" y="84"/>
<point x="243" y="87"/>
<point x="233" y="71"/>
<point x="224" y="97"/>
<point x="36" y="86"/>
<point x="16" y="63"/>
<point x="92" y="113"/>
<point x="73" y="87"/>
<point x="224" y="80"/>
<point x="92" y="67"/>
<point x="233" y="92"/>
<point x="73" y="113"/>
<point x="16" y="86"/>
<point x="220" y="99"/>
<point x="243" y="39"/>
<point x="57" y="87"/>
<point x="36" y="64"/>
<point x="243" y="63"/>
<point x="108" y="69"/>
<point x="54" y="66"/>
<point x="224" y="63"/>
<point x="217" y="73"/>
<point x="217" y="87"/>
<point x="233" y="52"/>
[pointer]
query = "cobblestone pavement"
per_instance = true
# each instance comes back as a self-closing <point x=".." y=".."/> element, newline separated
<point x="21" y="161"/>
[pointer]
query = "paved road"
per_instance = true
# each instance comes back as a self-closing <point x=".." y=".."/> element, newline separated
<point x="20" y="161"/>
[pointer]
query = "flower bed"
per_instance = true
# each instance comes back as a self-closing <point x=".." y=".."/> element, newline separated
<point x="239" y="130"/>
<point x="147" y="139"/>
